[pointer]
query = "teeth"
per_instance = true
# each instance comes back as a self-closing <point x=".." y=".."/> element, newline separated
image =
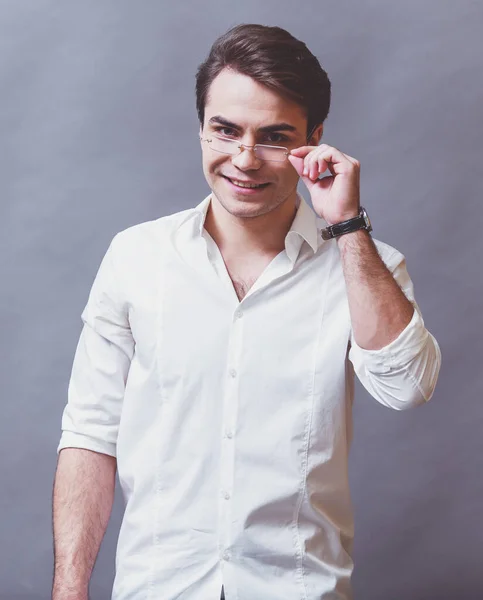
<point x="246" y="185"/>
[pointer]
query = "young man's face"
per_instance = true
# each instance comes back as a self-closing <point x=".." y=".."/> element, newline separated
<point x="239" y="108"/>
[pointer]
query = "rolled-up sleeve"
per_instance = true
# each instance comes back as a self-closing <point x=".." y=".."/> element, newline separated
<point x="403" y="374"/>
<point x="101" y="365"/>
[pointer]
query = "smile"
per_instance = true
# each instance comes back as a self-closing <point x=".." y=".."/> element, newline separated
<point x="245" y="184"/>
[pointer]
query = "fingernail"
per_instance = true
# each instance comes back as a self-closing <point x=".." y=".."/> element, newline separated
<point x="305" y="171"/>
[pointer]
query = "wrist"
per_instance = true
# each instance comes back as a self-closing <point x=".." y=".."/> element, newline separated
<point x="67" y="589"/>
<point x="361" y="236"/>
<point x="349" y="225"/>
<point x="66" y="595"/>
<point x="340" y="218"/>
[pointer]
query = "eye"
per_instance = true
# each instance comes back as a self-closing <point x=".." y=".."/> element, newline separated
<point x="225" y="131"/>
<point x="275" y="138"/>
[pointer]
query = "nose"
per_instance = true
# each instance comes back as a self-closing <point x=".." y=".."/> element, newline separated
<point x="246" y="160"/>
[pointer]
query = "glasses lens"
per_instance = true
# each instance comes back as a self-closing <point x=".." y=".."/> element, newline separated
<point x="224" y="146"/>
<point x="273" y="153"/>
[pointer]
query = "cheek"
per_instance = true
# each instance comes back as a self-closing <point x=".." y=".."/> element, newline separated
<point x="286" y="174"/>
<point x="211" y="164"/>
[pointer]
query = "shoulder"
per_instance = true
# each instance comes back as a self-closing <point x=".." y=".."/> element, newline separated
<point x="149" y="235"/>
<point x="134" y="253"/>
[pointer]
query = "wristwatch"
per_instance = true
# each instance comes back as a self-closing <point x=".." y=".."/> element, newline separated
<point x="362" y="221"/>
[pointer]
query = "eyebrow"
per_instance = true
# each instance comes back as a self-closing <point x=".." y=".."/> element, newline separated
<point x="266" y="129"/>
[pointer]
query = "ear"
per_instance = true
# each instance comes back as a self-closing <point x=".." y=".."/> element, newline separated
<point x="316" y="136"/>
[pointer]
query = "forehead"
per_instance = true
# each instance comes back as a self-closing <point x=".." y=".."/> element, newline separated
<point x="244" y="101"/>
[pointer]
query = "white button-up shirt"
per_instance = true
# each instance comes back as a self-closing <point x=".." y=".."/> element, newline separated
<point x="231" y="421"/>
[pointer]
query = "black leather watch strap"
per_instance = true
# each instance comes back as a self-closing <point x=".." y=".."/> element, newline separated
<point x="362" y="221"/>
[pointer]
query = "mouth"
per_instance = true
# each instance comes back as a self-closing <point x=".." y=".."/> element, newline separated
<point x="246" y="186"/>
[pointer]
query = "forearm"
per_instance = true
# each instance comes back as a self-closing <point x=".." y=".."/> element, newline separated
<point x="379" y="310"/>
<point x="82" y="502"/>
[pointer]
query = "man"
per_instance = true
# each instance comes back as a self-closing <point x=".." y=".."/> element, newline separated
<point x="216" y="365"/>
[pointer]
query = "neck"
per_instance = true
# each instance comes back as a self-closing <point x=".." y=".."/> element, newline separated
<point x="264" y="234"/>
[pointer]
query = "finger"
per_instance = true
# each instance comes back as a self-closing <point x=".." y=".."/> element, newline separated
<point x="311" y="160"/>
<point x="314" y="165"/>
<point x="337" y="162"/>
<point x="323" y="166"/>
<point x="314" y="169"/>
<point x="332" y="154"/>
<point x="308" y="163"/>
<point x="302" y="151"/>
<point x="297" y="163"/>
<point x="353" y="160"/>
<point x="336" y="157"/>
<point x="309" y="168"/>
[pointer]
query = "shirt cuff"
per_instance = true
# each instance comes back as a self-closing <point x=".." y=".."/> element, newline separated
<point x="397" y="354"/>
<point x="70" y="439"/>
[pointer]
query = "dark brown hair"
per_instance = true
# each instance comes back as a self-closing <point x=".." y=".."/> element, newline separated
<point x="273" y="57"/>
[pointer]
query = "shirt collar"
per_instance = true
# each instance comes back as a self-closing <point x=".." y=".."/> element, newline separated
<point x="304" y="226"/>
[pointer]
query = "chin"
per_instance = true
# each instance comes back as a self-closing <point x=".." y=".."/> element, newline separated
<point x="243" y="207"/>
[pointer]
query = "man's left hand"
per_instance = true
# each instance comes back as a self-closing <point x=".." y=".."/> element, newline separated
<point x="336" y="197"/>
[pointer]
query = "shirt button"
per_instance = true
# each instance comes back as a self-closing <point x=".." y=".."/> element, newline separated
<point x="226" y="495"/>
<point x="226" y="555"/>
<point x="238" y="314"/>
<point x="229" y="434"/>
<point x="232" y="373"/>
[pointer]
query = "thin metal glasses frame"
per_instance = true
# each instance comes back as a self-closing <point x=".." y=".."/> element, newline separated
<point x="240" y="146"/>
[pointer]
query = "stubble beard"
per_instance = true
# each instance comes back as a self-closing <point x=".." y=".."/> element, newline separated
<point x="263" y="208"/>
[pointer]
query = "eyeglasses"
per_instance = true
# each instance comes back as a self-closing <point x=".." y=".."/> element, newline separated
<point x="261" y="151"/>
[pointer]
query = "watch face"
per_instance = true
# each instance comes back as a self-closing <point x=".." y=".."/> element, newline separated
<point x="366" y="219"/>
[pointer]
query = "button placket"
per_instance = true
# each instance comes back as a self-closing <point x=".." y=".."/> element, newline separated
<point x="230" y="409"/>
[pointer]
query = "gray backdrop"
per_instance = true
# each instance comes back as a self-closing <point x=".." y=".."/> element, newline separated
<point x="98" y="131"/>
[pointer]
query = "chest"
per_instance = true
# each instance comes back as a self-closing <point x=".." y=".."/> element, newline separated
<point x="187" y="321"/>
<point x="245" y="272"/>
